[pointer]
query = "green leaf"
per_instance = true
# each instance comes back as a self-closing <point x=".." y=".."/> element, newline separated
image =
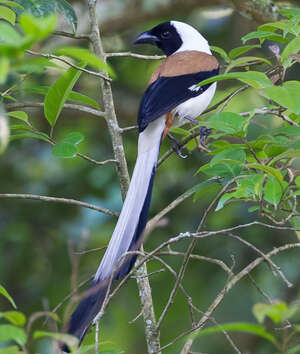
<point x="80" y="98"/>
<point x="263" y="35"/>
<point x="7" y="296"/>
<point x="40" y="136"/>
<point x="226" y="170"/>
<point x="180" y="131"/>
<point x="289" y="131"/>
<point x="10" y="332"/>
<point x="245" y="61"/>
<point x="241" y="50"/>
<point x="269" y="170"/>
<point x="293" y="47"/>
<point x="228" y="122"/>
<point x="236" y="326"/>
<point x="64" y="8"/>
<point x="273" y="150"/>
<point x="13" y="349"/>
<point x="64" y="150"/>
<point x="272" y="191"/>
<point x="273" y="26"/>
<point x="286" y="155"/>
<point x="4" y="69"/>
<point x="290" y="12"/>
<point x="15" y="317"/>
<point x="20" y="127"/>
<point x="73" y="138"/>
<point x="225" y="197"/>
<point x="231" y="154"/>
<point x="8" y="97"/>
<point x="220" y="51"/>
<point x="253" y="208"/>
<point x="67" y="148"/>
<point x="59" y="93"/>
<point x="8" y="14"/>
<point x="73" y="96"/>
<point x="43" y="8"/>
<point x="37" y="28"/>
<point x="255" y="79"/>
<point x="86" y="56"/>
<point x="39" y="8"/>
<point x="19" y="115"/>
<point x="71" y="341"/>
<point x="297" y="181"/>
<point x="8" y="35"/>
<point x="278" y="312"/>
<point x="286" y="95"/>
<point x="252" y="185"/>
<point x="11" y="4"/>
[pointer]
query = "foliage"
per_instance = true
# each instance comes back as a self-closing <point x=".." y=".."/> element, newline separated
<point x="279" y="313"/>
<point x="17" y="331"/>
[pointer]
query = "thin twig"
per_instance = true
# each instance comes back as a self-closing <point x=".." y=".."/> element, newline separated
<point x="245" y="271"/>
<point x="76" y="107"/>
<point x="99" y="163"/>
<point x="71" y="35"/>
<point x="271" y="263"/>
<point x="63" y="60"/>
<point x="201" y="258"/>
<point x="135" y="55"/>
<point x="59" y="200"/>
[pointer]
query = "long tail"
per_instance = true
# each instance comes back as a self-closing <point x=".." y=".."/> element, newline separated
<point x="128" y="231"/>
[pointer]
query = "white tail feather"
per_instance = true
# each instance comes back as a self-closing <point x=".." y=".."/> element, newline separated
<point x="148" y="150"/>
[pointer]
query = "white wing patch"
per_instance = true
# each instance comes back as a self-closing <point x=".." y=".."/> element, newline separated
<point x="195" y="88"/>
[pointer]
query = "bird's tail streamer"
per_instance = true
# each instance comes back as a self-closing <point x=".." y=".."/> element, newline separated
<point x="128" y="231"/>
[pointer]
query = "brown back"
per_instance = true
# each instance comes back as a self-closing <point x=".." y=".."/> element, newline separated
<point x="187" y="62"/>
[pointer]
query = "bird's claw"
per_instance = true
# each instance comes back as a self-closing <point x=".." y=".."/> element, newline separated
<point x="176" y="146"/>
<point x="178" y="150"/>
<point x="204" y="132"/>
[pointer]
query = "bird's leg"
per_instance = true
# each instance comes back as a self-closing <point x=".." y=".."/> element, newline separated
<point x="176" y="146"/>
<point x="204" y="131"/>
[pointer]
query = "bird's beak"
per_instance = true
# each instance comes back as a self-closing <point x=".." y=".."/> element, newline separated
<point x="146" y="37"/>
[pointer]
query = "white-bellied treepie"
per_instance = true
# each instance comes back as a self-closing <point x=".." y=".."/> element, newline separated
<point x="171" y="97"/>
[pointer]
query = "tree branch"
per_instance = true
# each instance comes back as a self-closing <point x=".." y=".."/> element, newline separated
<point x="245" y="271"/>
<point x="111" y="118"/>
<point x="63" y="60"/>
<point x="135" y="55"/>
<point x="77" y="107"/>
<point x="260" y="11"/>
<point x="59" y="200"/>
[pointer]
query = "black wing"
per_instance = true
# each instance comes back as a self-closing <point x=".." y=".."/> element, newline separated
<point x="166" y="93"/>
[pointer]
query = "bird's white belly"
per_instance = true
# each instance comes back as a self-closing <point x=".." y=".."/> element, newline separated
<point x="194" y="106"/>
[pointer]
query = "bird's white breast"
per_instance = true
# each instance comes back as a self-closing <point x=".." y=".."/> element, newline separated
<point x="194" y="106"/>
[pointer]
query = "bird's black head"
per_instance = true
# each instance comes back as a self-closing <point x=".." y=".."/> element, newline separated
<point x="164" y="36"/>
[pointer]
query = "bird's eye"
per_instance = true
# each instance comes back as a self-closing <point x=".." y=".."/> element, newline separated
<point x="166" y="35"/>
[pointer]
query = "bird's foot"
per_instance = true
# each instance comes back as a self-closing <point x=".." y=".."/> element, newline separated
<point x="176" y="147"/>
<point x="204" y="132"/>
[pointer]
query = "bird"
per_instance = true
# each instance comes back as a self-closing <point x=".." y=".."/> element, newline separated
<point x="171" y="99"/>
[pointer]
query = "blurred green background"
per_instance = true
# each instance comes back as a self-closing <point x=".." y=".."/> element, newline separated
<point x="35" y="236"/>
